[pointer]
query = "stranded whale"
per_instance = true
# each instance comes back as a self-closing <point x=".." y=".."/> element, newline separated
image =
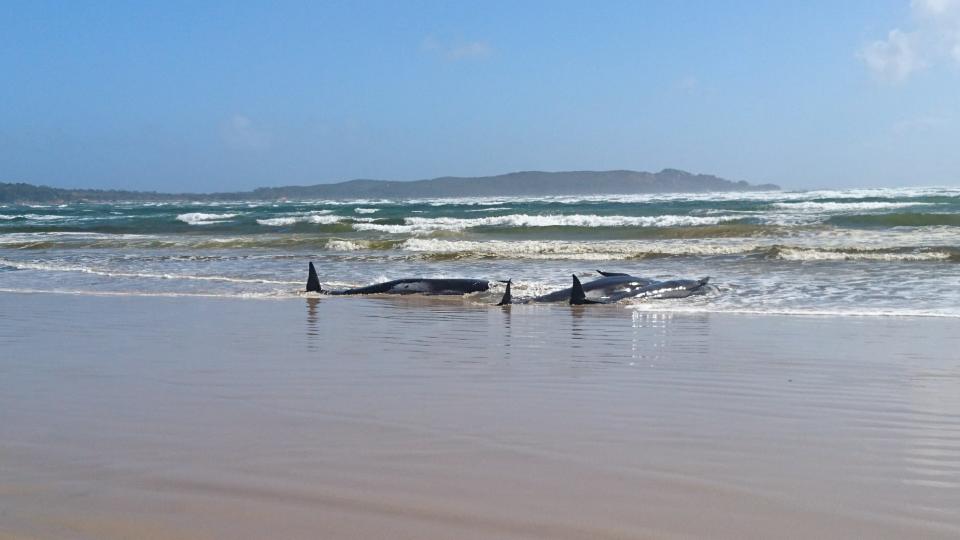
<point x="405" y="286"/>
<point x="675" y="288"/>
<point x="611" y="283"/>
<point x="615" y="286"/>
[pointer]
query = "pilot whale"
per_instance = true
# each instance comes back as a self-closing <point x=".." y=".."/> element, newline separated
<point x="611" y="283"/>
<point x="405" y="286"/>
<point x="675" y="288"/>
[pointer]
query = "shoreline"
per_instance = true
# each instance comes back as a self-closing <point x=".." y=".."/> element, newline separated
<point x="673" y="309"/>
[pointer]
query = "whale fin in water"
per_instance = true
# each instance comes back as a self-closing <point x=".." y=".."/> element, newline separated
<point x="313" y="281"/>
<point x="507" y="297"/>
<point x="577" y="296"/>
<point x="611" y="274"/>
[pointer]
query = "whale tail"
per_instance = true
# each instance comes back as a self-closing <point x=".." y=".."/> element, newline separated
<point x="507" y="297"/>
<point x="577" y="296"/>
<point x="313" y="281"/>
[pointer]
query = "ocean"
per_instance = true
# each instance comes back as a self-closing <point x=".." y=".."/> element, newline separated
<point x="838" y="252"/>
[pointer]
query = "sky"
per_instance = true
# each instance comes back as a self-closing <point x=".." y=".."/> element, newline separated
<point x="221" y="96"/>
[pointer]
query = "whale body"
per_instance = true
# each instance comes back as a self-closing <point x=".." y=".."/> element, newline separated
<point x="405" y="286"/>
<point x="675" y="288"/>
<point x="612" y="283"/>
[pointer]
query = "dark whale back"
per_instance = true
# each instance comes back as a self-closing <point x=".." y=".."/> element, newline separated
<point x="404" y="286"/>
<point x="607" y="285"/>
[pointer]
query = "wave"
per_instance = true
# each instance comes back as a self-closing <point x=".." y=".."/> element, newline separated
<point x="904" y="219"/>
<point x="671" y="307"/>
<point x="346" y="245"/>
<point x="20" y="265"/>
<point x="359" y="210"/>
<point x="816" y="207"/>
<point x="149" y="294"/>
<point x="85" y="240"/>
<point x="425" y="225"/>
<point x="564" y="250"/>
<point x="317" y="219"/>
<point x="808" y="254"/>
<point x="33" y="217"/>
<point x="200" y="218"/>
<point x="658" y="307"/>
<point x="715" y="196"/>
<point x="559" y="249"/>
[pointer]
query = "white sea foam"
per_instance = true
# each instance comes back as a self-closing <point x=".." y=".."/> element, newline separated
<point x="491" y="209"/>
<point x="756" y="196"/>
<point x="425" y="225"/>
<point x="317" y="219"/>
<point x="359" y="210"/>
<point x="200" y="218"/>
<point x="810" y="206"/>
<point x="47" y="267"/>
<point x="33" y="217"/>
<point x="345" y="245"/>
<point x="801" y="249"/>
<point x="796" y="254"/>
<point x="275" y="295"/>
<point x="559" y="249"/>
<point x="660" y="306"/>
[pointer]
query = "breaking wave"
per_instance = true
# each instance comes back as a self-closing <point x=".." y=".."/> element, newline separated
<point x="816" y="207"/>
<point x="414" y="225"/>
<point x="199" y="218"/>
<point x="21" y="265"/>
<point x="317" y="219"/>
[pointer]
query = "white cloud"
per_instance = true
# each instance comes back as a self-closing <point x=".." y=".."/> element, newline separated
<point x="894" y="58"/>
<point x="934" y="35"/>
<point x="240" y="132"/>
<point x="456" y="51"/>
<point x="935" y="7"/>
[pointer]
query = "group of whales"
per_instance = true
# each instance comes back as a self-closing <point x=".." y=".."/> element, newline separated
<point x="608" y="289"/>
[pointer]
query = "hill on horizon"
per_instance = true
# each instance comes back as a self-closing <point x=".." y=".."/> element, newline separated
<point x="525" y="183"/>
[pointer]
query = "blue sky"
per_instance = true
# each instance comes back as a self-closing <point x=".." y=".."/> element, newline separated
<point x="222" y="96"/>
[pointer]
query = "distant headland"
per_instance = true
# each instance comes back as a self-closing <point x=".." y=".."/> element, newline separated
<point x="516" y="184"/>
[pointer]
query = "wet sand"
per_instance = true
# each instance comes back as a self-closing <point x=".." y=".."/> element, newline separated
<point x="136" y="417"/>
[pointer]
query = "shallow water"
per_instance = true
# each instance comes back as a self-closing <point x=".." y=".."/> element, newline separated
<point x="849" y="252"/>
<point x="408" y="417"/>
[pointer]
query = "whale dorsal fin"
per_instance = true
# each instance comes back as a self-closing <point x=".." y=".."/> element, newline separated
<point x="611" y="274"/>
<point x="313" y="281"/>
<point x="577" y="296"/>
<point x="507" y="297"/>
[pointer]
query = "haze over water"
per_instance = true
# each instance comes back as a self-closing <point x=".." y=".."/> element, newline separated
<point x="868" y="251"/>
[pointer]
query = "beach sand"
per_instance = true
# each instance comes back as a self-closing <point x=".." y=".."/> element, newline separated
<point x="163" y="418"/>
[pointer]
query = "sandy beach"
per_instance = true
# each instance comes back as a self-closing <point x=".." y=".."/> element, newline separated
<point x="184" y="417"/>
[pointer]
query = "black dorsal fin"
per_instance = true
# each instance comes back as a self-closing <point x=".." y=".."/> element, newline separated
<point x="507" y="297"/>
<point x="611" y="274"/>
<point x="313" y="281"/>
<point x="577" y="296"/>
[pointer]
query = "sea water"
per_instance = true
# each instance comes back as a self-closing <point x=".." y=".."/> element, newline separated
<point x="839" y="252"/>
